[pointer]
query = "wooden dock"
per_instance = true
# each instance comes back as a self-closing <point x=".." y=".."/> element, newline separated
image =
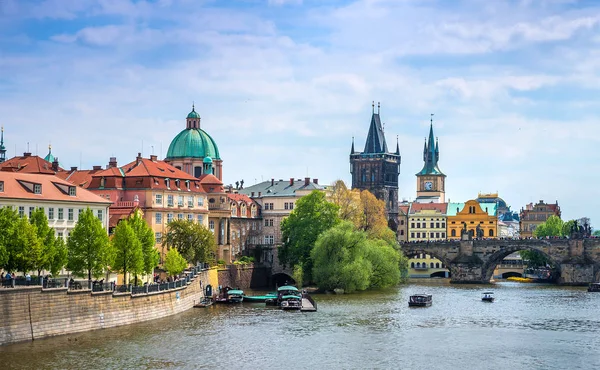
<point x="308" y="304"/>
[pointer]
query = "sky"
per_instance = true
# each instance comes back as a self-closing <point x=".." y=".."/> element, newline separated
<point x="284" y="85"/>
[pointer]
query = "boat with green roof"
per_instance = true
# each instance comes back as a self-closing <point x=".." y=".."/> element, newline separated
<point x="260" y="298"/>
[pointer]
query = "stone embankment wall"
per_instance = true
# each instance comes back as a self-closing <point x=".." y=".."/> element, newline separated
<point x="33" y="313"/>
<point x="244" y="276"/>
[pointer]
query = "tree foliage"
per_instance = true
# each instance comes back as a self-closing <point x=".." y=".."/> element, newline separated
<point x="127" y="250"/>
<point x="8" y="219"/>
<point x="553" y="226"/>
<point x="58" y="260"/>
<point x="193" y="241"/>
<point x="348" y="201"/>
<point x="24" y="247"/>
<point x="313" y="215"/>
<point x="145" y="236"/>
<point x="534" y="258"/>
<point x="88" y="247"/>
<point x="385" y="262"/>
<point x="596" y="233"/>
<point x="174" y="262"/>
<point x="47" y="240"/>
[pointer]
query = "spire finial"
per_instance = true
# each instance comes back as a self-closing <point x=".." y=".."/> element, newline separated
<point x="373" y="105"/>
<point x="49" y="147"/>
<point x="193" y="106"/>
<point x="378" y="107"/>
<point x="431" y="119"/>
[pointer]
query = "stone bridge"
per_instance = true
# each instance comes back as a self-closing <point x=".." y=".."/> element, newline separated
<point x="473" y="261"/>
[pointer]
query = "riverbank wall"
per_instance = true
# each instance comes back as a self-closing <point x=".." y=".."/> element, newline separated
<point x="31" y="313"/>
<point x="245" y="276"/>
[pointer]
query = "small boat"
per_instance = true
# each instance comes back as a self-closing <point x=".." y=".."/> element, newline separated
<point x="594" y="287"/>
<point x="291" y="302"/>
<point x="285" y="293"/>
<point x="487" y="296"/>
<point x="420" y="300"/>
<point x="234" y="296"/>
<point x="205" y="302"/>
<point x="260" y="298"/>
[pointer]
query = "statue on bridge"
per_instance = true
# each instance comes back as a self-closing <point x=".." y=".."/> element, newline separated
<point x="479" y="231"/>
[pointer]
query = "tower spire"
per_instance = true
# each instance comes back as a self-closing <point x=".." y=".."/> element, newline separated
<point x="2" y="148"/>
<point x="352" y="149"/>
<point x="397" y="146"/>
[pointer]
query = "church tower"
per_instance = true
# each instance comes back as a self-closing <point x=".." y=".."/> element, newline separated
<point x="2" y="147"/>
<point x="377" y="170"/>
<point x="431" y="182"/>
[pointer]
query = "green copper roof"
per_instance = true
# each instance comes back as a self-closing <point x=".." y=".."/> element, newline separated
<point x="194" y="143"/>
<point x="49" y="157"/>
<point x="193" y="113"/>
<point x="431" y="156"/>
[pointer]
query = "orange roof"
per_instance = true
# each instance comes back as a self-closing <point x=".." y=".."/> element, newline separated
<point x="211" y="184"/>
<point x="404" y="209"/>
<point x="243" y="198"/>
<point x="81" y="178"/>
<point x="21" y="186"/>
<point x="28" y="164"/>
<point x="418" y="207"/>
<point x="148" y="167"/>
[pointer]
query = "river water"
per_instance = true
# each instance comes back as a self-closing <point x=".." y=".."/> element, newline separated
<point x="529" y="326"/>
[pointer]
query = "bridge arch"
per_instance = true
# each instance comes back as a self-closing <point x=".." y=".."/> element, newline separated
<point x="415" y="250"/>
<point x="496" y="258"/>
<point x="281" y="278"/>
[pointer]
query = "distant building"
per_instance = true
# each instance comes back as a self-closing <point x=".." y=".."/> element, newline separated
<point x="376" y="169"/>
<point x="427" y="221"/>
<point x="472" y="215"/>
<point x="246" y="221"/>
<point x="62" y="201"/>
<point x="431" y="181"/>
<point x="533" y="215"/>
<point x="28" y="163"/>
<point x="425" y="266"/>
<point x="403" y="222"/>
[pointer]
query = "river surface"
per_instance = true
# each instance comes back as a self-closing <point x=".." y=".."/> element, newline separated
<point x="529" y="326"/>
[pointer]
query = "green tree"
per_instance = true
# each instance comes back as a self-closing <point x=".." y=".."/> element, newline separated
<point x="312" y="216"/>
<point x="596" y="233"/>
<point x="174" y="262"/>
<point x="8" y="221"/>
<point x="89" y="249"/>
<point x="24" y="247"/>
<point x="385" y="261"/>
<point x="47" y="239"/>
<point x="192" y="240"/>
<point x="339" y="259"/>
<point x="348" y="201"/>
<point x="127" y="249"/>
<point x="58" y="260"/>
<point x="567" y="227"/>
<point x="145" y="235"/>
<point x="552" y="227"/>
<point x="533" y="258"/>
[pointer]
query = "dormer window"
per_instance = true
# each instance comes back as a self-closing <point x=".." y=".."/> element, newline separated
<point x="168" y="183"/>
<point x="177" y="183"/>
<point x="37" y="188"/>
<point x="72" y="190"/>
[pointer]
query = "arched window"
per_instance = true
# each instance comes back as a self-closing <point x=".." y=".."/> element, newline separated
<point x="491" y="232"/>
<point x="437" y="265"/>
<point x="431" y="265"/>
<point x="412" y="265"/>
<point x="453" y="232"/>
<point x="418" y="264"/>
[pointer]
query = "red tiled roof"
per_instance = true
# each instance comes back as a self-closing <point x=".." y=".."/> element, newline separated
<point x="211" y="184"/>
<point x="81" y="178"/>
<point x="240" y="198"/>
<point x="15" y="188"/>
<point x="417" y="207"/>
<point x="404" y="209"/>
<point x="28" y="164"/>
<point x="146" y="167"/>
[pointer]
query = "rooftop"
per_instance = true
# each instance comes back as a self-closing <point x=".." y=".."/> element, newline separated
<point x="282" y="188"/>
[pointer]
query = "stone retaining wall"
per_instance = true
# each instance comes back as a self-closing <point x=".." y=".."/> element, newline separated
<point x="33" y="313"/>
<point x="244" y="277"/>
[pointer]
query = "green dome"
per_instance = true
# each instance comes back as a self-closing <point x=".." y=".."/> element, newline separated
<point x="193" y="114"/>
<point x="194" y="143"/>
<point x="207" y="160"/>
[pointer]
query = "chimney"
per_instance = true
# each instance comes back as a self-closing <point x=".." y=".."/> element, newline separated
<point x="306" y="181"/>
<point x="55" y="164"/>
<point x="138" y="159"/>
<point x="272" y="182"/>
<point x="112" y="162"/>
<point x="259" y="193"/>
<point x="96" y="168"/>
<point x="316" y="181"/>
<point x="73" y="169"/>
<point x="252" y="194"/>
<point x="153" y="158"/>
<point x="291" y="181"/>
<point x="26" y="154"/>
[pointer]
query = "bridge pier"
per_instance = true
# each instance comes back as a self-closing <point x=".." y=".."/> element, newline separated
<point x="576" y="274"/>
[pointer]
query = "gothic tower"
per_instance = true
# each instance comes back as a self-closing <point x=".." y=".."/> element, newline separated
<point x="2" y="148"/>
<point x="377" y="170"/>
<point x="431" y="182"/>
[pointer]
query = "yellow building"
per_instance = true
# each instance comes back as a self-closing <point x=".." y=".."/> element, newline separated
<point x="427" y="221"/>
<point x="425" y="266"/>
<point x="473" y="216"/>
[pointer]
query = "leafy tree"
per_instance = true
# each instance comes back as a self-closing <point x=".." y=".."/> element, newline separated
<point x="88" y="246"/>
<point x="193" y="240"/>
<point x="58" y="260"/>
<point x="145" y="235"/>
<point x="298" y="274"/>
<point x="552" y="227"/>
<point x="8" y="220"/>
<point x="348" y="202"/>
<point x="596" y="233"/>
<point x="47" y="239"/>
<point x="24" y="247"/>
<point x="174" y="262"/>
<point x="312" y="216"/>
<point x="127" y="250"/>
<point x="567" y="227"/>
<point x="385" y="261"/>
<point x="534" y="258"/>
<point x="340" y="259"/>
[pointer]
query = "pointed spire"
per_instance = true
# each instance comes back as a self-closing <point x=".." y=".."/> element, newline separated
<point x="2" y="138"/>
<point x="352" y="149"/>
<point x="431" y="153"/>
<point x="378" y="107"/>
<point x="375" y="138"/>
<point x="397" y="146"/>
<point x="193" y="106"/>
<point x="373" y="105"/>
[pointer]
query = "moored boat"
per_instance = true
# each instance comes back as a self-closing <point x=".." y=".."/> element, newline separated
<point x="487" y="296"/>
<point x="291" y="302"/>
<point x="260" y="298"/>
<point x="235" y="296"/>
<point x="205" y="302"/>
<point x="594" y="287"/>
<point x="420" y="300"/>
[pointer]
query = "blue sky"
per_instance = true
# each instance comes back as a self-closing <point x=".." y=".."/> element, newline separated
<point x="284" y="85"/>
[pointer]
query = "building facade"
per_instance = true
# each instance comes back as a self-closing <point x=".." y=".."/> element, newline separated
<point x="472" y="217"/>
<point x="377" y="170"/>
<point x="246" y="225"/>
<point x="427" y="222"/>
<point x="534" y="214"/>
<point x="431" y="181"/>
<point x="403" y="210"/>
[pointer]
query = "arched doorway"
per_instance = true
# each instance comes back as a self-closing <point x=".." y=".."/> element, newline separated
<point x="282" y="279"/>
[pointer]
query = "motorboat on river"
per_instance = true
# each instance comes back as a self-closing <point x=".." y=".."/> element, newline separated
<point x="420" y="300"/>
<point x="594" y="287"/>
<point x="487" y="296"/>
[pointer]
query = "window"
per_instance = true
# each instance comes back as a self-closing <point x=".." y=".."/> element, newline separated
<point x="453" y="232"/>
<point x="412" y="225"/>
<point x="437" y="265"/>
<point x="491" y="232"/>
<point x="431" y="264"/>
<point x="168" y="183"/>
<point x="50" y="213"/>
<point x="21" y="211"/>
<point x="180" y="216"/>
<point x="269" y="239"/>
<point x="158" y="237"/>
<point x="418" y="225"/>
<point x="401" y="232"/>
<point x="443" y="225"/>
<point x="418" y="235"/>
<point x="211" y="225"/>
<point x="180" y="200"/>
<point x="100" y="215"/>
<point x="190" y="217"/>
<point x="437" y="235"/>
<point x="253" y="212"/>
<point x="61" y="214"/>
<point x="170" y="200"/>
<point x="437" y="225"/>
<point x="412" y="265"/>
<point x="412" y="235"/>
<point x="72" y="191"/>
<point x="190" y="202"/>
<point x="200" y="201"/>
<point x="431" y="225"/>
<point x="233" y="211"/>
<point x="31" y="209"/>
<point x="37" y="188"/>
<point x="431" y="235"/>
<point x="266" y="222"/>
<point x="1" y="186"/>
<point x="401" y="222"/>
<point x="158" y="218"/>
<point x="169" y="217"/>
<point x="158" y="199"/>
<point x="79" y="212"/>
<point x="60" y="235"/>
<point x="200" y="219"/>
<point x="70" y="214"/>
<point x="443" y="235"/>
<point x="291" y="205"/>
